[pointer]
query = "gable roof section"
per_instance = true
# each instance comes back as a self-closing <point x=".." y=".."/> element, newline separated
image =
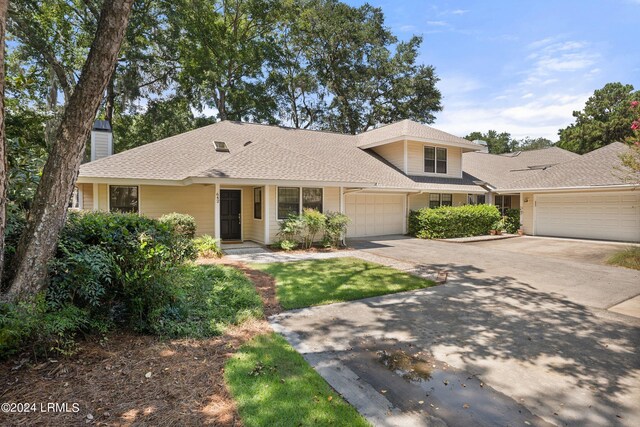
<point x="414" y="131"/>
<point x="502" y="171"/>
<point x="598" y="168"/>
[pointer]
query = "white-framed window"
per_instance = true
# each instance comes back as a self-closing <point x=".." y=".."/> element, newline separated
<point x="292" y="200"/>
<point x="476" y="199"/>
<point x="257" y="203"/>
<point x="436" y="200"/>
<point x="435" y="159"/>
<point x="123" y="198"/>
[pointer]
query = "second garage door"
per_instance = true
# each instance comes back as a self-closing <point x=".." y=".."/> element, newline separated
<point x="605" y="216"/>
<point x="374" y="214"/>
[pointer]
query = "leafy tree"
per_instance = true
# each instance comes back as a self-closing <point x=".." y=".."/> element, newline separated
<point x="369" y="77"/>
<point x="162" y="119"/>
<point x="606" y="118"/>
<point x="48" y="212"/>
<point x="223" y="46"/>
<point x="528" y="143"/>
<point x="631" y="159"/>
<point x="497" y="143"/>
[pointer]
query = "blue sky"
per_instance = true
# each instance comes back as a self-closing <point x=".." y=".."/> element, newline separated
<point x="519" y="66"/>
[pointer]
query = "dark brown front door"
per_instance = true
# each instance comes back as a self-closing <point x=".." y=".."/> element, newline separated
<point x="230" y="214"/>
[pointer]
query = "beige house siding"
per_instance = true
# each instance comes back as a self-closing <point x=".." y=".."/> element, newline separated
<point x="87" y="196"/>
<point x="195" y="200"/>
<point x="415" y="153"/>
<point x="103" y="197"/>
<point x="526" y="216"/>
<point x="393" y="153"/>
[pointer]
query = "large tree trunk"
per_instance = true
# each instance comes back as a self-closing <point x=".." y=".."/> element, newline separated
<point x="48" y="213"/>
<point x="4" y="173"/>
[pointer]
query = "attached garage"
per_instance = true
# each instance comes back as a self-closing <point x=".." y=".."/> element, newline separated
<point x="589" y="215"/>
<point x="375" y="214"/>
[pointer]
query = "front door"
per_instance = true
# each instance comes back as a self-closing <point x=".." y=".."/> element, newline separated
<point x="230" y="207"/>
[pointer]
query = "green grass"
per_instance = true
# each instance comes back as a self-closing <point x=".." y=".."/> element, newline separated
<point x="207" y="299"/>
<point x="326" y="281"/>
<point x="629" y="258"/>
<point x="274" y="386"/>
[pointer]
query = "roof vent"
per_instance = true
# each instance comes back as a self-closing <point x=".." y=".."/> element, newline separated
<point x="221" y="146"/>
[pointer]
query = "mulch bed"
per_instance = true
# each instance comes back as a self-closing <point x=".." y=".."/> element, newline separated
<point x="131" y="379"/>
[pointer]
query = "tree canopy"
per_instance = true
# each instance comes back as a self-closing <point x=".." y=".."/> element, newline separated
<point x="606" y="118"/>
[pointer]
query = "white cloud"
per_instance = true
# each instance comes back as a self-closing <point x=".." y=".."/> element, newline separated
<point x="407" y="28"/>
<point x="463" y="11"/>
<point x="537" y="117"/>
<point x="438" y="23"/>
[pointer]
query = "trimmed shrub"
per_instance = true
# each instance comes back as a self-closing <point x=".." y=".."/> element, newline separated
<point x="512" y="220"/>
<point x="450" y="222"/>
<point x="184" y="225"/>
<point x="335" y="228"/>
<point x="207" y="246"/>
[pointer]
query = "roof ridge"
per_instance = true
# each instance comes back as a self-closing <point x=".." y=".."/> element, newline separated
<point x="332" y="132"/>
<point x="265" y="140"/>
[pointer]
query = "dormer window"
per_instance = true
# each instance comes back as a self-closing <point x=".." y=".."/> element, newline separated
<point x="435" y="160"/>
<point x="221" y="146"/>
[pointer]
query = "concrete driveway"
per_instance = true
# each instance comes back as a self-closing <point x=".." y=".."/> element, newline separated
<point x="564" y="268"/>
<point x="512" y="339"/>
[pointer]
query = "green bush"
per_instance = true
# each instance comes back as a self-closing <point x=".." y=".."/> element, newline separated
<point x="109" y="269"/>
<point x="450" y="222"/>
<point x="512" y="220"/>
<point x="285" y="245"/>
<point x="207" y="246"/>
<point x="34" y="327"/>
<point x="335" y="228"/>
<point x="184" y="225"/>
<point x="291" y="228"/>
<point x="314" y="222"/>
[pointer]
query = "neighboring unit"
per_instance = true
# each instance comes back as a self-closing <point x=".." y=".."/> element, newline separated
<point x="238" y="180"/>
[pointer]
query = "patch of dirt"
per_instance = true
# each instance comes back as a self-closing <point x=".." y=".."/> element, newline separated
<point x="131" y="379"/>
<point x="265" y="285"/>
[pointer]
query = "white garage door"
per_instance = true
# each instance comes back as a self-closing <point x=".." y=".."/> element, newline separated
<point x="606" y="216"/>
<point x="374" y="214"/>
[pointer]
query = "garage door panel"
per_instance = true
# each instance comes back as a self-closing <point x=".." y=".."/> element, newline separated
<point x="374" y="214"/>
<point x="608" y="216"/>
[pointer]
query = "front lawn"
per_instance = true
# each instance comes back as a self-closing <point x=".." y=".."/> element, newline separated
<point x="629" y="258"/>
<point x="273" y="385"/>
<point x="316" y="282"/>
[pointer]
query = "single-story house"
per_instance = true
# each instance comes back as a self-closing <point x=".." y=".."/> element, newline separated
<point x="239" y="179"/>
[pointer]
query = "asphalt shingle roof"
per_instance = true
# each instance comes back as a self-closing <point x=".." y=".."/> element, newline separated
<point x="409" y="129"/>
<point x="266" y="153"/>
<point x="550" y="168"/>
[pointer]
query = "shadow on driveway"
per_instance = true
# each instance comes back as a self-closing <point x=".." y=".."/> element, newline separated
<point x="563" y="361"/>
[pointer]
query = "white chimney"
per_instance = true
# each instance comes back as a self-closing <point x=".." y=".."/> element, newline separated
<point x="101" y="140"/>
<point x="482" y="144"/>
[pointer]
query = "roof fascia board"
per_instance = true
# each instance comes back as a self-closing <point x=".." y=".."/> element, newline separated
<point x="569" y="189"/>
<point x="401" y="138"/>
